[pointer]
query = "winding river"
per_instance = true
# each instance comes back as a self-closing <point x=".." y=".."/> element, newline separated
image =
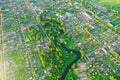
<point x="47" y="23"/>
<point x="74" y="61"/>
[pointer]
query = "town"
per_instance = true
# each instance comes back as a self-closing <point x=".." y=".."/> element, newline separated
<point x="59" y="40"/>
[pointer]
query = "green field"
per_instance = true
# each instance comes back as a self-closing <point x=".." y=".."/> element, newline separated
<point x="112" y="2"/>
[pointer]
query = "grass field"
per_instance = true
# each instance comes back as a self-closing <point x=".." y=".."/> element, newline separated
<point x="112" y="2"/>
